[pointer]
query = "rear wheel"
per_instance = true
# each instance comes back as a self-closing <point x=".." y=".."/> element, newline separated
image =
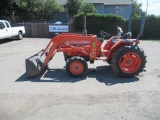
<point x="76" y="66"/>
<point x="20" y="36"/>
<point x="128" y="61"/>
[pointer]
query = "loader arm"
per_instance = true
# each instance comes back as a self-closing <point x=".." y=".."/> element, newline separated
<point x="55" y="46"/>
<point x="60" y="44"/>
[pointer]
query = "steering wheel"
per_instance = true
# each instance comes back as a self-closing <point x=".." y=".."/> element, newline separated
<point x="103" y="35"/>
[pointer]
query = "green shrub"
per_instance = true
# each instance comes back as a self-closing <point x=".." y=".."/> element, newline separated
<point x="109" y="23"/>
<point x="97" y="22"/>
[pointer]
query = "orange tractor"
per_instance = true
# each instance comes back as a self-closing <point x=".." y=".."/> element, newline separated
<point x="127" y="59"/>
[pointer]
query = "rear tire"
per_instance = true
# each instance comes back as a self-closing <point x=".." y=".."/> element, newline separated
<point x="76" y="66"/>
<point x="20" y="36"/>
<point x="128" y="61"/>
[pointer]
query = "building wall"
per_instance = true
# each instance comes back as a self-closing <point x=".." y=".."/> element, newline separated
<point x="122" y="10"/>
<point x="120" y="7"/>
<point x="99" y="7"/>
<point x="106" y="2"/>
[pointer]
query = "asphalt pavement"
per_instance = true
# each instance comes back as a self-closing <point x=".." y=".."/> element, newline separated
<point x="54" y="95"/>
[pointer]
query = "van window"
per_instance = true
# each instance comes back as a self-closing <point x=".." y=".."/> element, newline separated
<point x="7" y="24"/>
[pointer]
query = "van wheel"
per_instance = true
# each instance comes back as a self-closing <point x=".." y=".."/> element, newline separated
<point x="20" y="36"/>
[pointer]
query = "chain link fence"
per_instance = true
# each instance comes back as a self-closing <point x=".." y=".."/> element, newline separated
<point x="38" y="25"/>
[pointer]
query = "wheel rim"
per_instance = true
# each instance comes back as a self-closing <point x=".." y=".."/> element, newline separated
<point x="130" y="62"/>
<point x="20" y="36"/>
<point x="76" y="67"/>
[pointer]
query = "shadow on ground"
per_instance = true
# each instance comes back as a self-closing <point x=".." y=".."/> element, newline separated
<point x="103" y="74"/>
<point x="51" y="75"/>
<point x="3" y="41"/>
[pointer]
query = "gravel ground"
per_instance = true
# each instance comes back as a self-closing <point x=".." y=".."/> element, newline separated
<point x="54" y="95"/>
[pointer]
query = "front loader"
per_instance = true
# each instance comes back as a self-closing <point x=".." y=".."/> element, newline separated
<point x="127" y="59"/>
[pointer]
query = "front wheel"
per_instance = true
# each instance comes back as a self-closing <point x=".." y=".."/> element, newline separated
<point x="76" y="66"/>
<point x="128" y="61"/>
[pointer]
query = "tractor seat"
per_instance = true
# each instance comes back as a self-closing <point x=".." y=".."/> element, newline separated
<point x="127" y="35"/>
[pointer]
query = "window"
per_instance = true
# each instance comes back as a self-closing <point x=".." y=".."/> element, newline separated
<point x="2" y="25"/>
<point x="122" y="9"/>
<point x="119" y="9"/>
<point x="7" y="24"/>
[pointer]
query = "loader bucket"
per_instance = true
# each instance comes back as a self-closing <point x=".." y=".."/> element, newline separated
<point x="34" y="65"/>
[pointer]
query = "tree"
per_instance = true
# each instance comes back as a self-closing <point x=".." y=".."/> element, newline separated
<point x="51" y="6"/>
<point x="87" y="7"/>
<point x="73" y="6"/>
<point x="136" y="9"/>
<point x="6" y="7"/>
<point x="8" y="10"/>
<point x="37" y="7"/>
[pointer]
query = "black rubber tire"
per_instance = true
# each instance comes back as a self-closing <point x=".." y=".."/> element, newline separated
<point x="78" y="59"/>
<point x="120" y="53"/>
<point x="20" y="36"/>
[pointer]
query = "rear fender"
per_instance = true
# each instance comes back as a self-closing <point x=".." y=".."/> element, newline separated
<point x="119" y="44"/>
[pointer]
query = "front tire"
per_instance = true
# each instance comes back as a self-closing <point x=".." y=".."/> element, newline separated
<point x="76" y="66"/>
<point x="128" y="61"/>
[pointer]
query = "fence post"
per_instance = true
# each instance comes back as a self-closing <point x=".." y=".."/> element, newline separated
<point x="45" y="29"/>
